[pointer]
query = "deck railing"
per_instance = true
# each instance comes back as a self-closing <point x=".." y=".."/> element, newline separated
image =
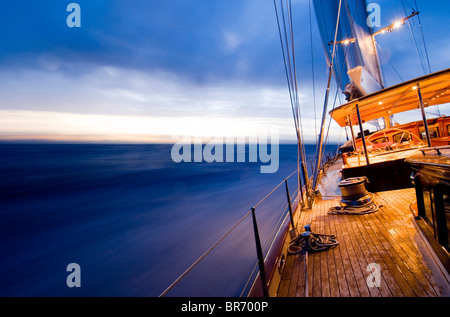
<point x="266" y="253"/>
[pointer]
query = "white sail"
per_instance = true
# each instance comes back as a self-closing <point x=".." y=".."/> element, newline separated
<point x="355" y="52"/>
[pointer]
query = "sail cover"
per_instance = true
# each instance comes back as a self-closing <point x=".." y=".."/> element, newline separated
<point x="356" y="61"/>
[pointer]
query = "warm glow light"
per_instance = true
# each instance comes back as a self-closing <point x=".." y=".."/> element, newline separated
<point x="346" y="42"/>
<point x="398" y="24"/>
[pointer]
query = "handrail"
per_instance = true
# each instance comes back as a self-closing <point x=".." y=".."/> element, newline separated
<point x="270" y="242"/>
<point x="274" y="189"/>
<point x="251" y="211"/>
<point x="203" y="256"/>
<point x="435" y="148"/>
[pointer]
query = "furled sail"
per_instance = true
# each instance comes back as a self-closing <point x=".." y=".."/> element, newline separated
<point x="355" y="65"/>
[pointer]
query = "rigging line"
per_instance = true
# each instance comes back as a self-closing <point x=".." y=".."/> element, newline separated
<point x="290" y="70"/>
<point x="339" y="142"/>
<point x="423" y="38"/>
<point x="287" y="48"/>
<point x="415" y="41"/>
<point x="382" y="68"/>
<point x="299" y="115"/>
<point x="404" y="1"/>
<point x="346" y="50"/>
<point x="289" y="85"/>
<point x="292" y="67"/>
<point x="291" y="31"/>
<point x="337" y="95"/>
<point x="392" y="65"/>
<point x="319" y="145"/>
<point x="425" y="46"/>
<point x="312" y="70"/>
<point x="395" y="70"/>
<point x="291" y="94"/>
<point x="301" y="151"/>
<point x="291" y="28"/>
<point x="293" y="91"/>
<point x="340" y="76"/>
<point x="285" y="65"/>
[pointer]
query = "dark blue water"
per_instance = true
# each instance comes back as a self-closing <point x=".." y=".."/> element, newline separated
<point x="131" y="218"/>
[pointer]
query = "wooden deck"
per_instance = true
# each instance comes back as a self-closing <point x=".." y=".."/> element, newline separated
<point x="387" y="237"/>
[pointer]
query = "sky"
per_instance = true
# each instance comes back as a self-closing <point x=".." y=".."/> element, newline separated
<point x="154" y="71"/>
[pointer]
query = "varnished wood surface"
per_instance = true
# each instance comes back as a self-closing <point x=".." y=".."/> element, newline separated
<point x="387" y="237"/>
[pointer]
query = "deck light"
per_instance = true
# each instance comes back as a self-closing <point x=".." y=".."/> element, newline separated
<point x="398" y="24"/>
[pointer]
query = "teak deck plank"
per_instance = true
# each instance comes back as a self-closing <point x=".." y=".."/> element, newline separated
<point x="386" y="237"/>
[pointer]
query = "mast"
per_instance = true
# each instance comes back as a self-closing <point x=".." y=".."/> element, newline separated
<point x="327" y="93"/>
<point x="353" y="59"/>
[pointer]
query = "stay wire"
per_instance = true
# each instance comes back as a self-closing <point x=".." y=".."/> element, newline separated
<point x="285" y="65"/>
<point x="291" y="78"/>
<point x="292" y="74"/>
<point x="299" y="115"/>
<point x="312" y="69"/>
<point x="419" y="53"/>
<point x="320" y="146"/>
<point x="340" y="76"/>
<point x="423" y="38"/>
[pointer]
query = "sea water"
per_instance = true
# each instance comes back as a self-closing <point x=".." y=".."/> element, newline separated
<point x="131" y="219"/>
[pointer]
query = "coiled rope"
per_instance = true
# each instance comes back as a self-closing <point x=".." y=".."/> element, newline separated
<point x="367" y="208"/>
<point x="310" y="241"/>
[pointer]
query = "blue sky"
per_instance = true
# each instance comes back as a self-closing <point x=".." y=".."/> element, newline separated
<point x="156" y="70"/>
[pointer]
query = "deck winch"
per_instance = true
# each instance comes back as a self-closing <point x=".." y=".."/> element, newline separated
<point x="354" y="191"/>
<point x="355" y="199"/>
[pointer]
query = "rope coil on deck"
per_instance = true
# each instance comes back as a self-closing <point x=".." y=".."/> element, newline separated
<point x="363" y="209"/>
<point x="310" y="241"/>
<point x="356" y="200"/>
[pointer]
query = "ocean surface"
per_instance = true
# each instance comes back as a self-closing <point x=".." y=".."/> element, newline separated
<point x="132" y="219"/>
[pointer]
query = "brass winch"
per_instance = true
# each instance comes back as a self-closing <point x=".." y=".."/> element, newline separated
<point x="354" y="191"/>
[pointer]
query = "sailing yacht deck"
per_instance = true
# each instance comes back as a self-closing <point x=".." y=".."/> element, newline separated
<point x="387" y="237"/>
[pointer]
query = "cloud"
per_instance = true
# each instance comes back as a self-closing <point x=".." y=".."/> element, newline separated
<point x="232" y="41"/>
<point x="150" y="59"/>
<point x="119" y="103"/>
<point x="120" y="90"/>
